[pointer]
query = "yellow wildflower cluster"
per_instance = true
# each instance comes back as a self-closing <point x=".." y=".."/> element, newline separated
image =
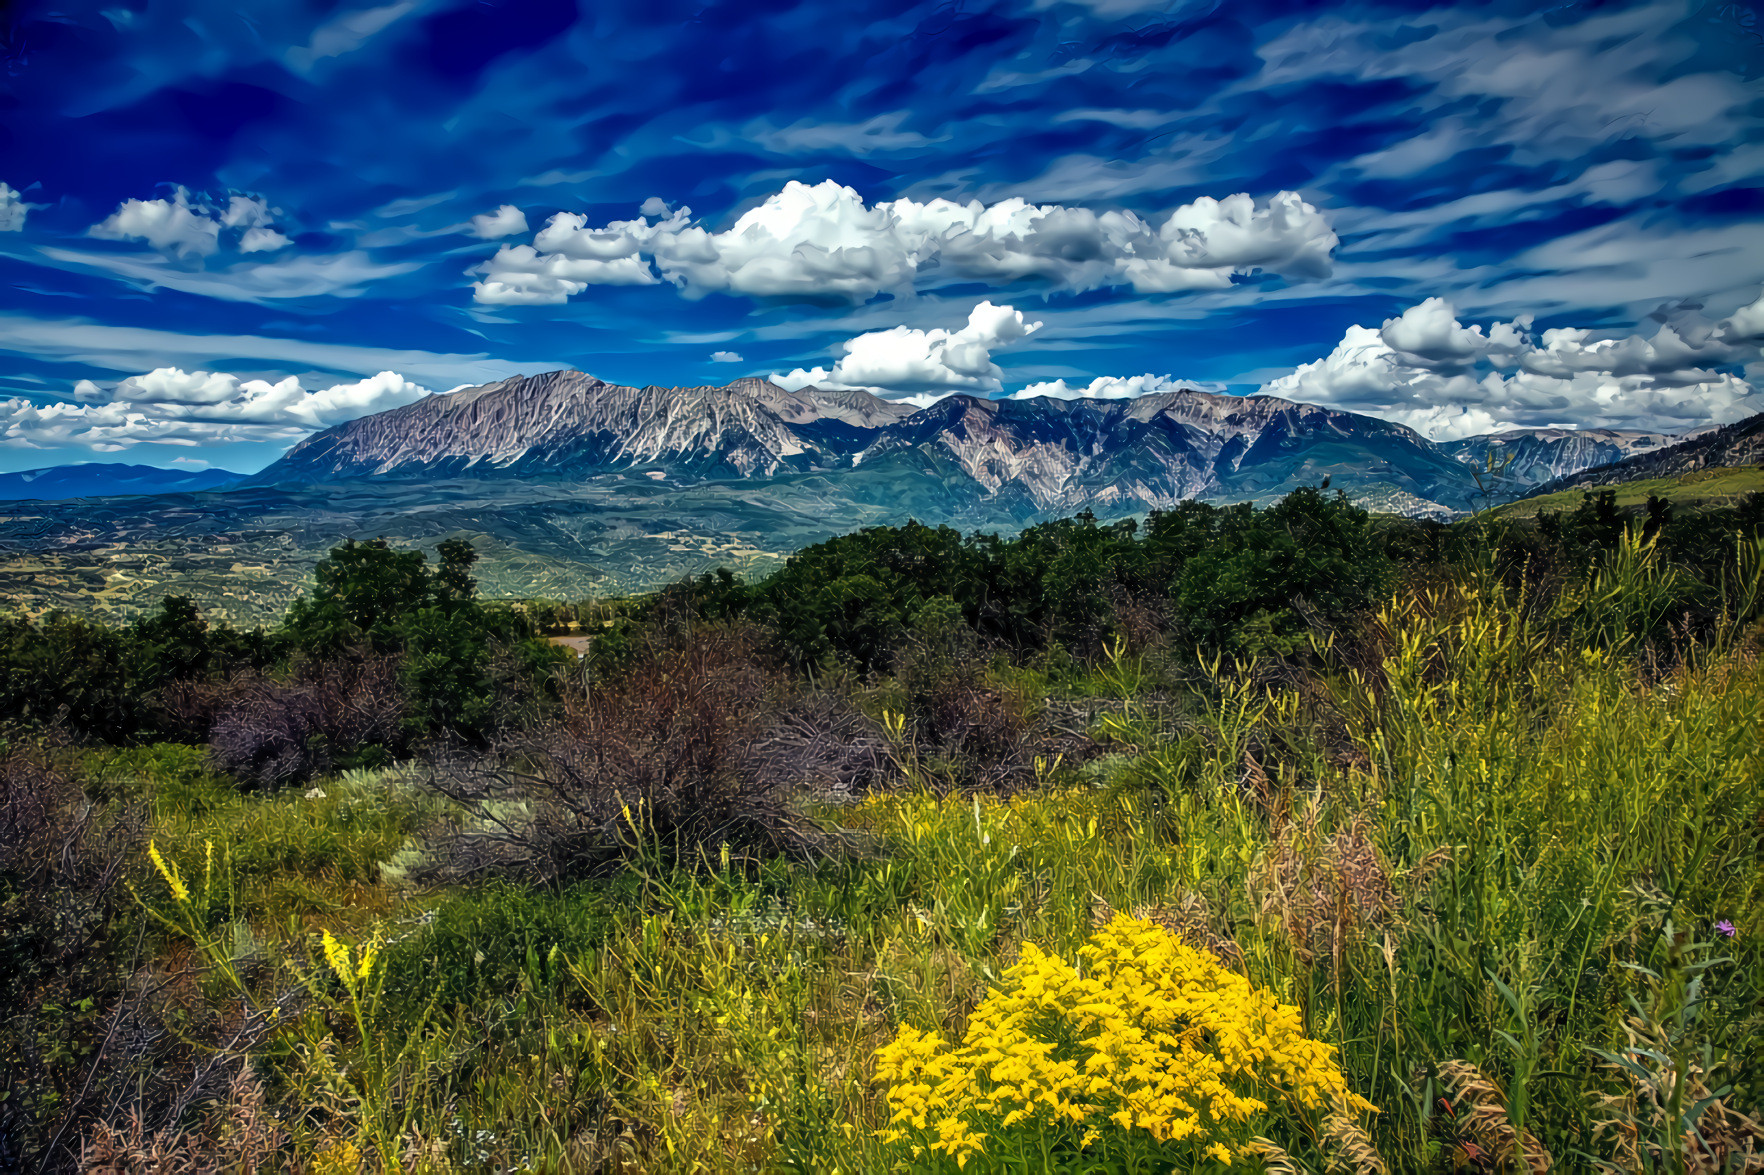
<point x="1154" y="1045"/>
<point x="173" y="878"/>
<point x="337" y="955"/>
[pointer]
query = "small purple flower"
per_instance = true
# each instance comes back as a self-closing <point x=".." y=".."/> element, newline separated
<point x="1724" y="927"/>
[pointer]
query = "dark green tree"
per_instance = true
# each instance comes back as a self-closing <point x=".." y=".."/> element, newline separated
<point x="1251" y="590"/>
<point x="171" y="644"/>
<point x="361" y="591"/>
<point x="454" y="585"/>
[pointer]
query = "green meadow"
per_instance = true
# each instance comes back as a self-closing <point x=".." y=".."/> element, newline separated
<point x="1290" y="839"/>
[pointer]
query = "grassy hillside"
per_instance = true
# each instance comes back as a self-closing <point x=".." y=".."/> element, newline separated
<point x="1706" y="487"/>
<point x="1455" y="872"/>
<point x="1462" y="891"/>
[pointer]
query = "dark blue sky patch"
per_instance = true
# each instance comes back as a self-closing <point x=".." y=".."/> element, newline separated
<point x="459" y="43"/>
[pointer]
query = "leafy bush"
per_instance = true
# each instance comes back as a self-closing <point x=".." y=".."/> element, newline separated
<point x="62" y="862"/>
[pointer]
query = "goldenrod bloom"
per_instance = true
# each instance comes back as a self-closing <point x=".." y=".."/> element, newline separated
<point x="369" y="951"/>
<point x="170" y="872"/>
<point x="337" y="955"/>
<point x="1155" y="1040"/>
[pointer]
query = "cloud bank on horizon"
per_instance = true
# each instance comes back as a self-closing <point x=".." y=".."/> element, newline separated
<point x="221" y="234"/>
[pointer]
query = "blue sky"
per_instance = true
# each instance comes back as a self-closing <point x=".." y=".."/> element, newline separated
<point x="224" y="226"/>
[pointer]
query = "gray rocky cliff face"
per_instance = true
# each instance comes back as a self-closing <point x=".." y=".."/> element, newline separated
<point x="566" y="422"/>
<point x="1731" y="446"/>
<point x="1537" y="455"/>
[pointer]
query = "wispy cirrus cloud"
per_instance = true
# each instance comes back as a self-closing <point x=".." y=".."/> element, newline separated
<point x="82" y="342"/>
<point x="336" y="275"/>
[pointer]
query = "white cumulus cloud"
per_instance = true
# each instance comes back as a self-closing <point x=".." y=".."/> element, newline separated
<point x="569" y="258"/>
<point x="1105" y="387"/>
<point x="247" y="212"/>
<point x="1430" y="333"/>
<point x="822" y="242"/>
<point x="262" y="240"/>
<point x="725" y="357"/>
<point x="186" y="226"/>
<point x="171" y="226"/>
<point x="1746" y="325"/>
<point x="905" y="360"/>
<point x="171" y="406"/>
<point x="504" y="222"/>
<point x="1427" y="370"/>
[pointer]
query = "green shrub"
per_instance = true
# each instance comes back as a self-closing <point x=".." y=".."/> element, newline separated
<point x="483" y="944"/>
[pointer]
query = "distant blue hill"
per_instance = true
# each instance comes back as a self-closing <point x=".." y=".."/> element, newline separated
<point x="105" y="480"/>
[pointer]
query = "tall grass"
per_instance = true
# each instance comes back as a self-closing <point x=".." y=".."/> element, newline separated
<point x="1504" y="853"/>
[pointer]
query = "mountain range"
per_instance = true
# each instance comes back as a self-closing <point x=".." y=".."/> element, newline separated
<point x="1531" y="456"/>
<point x="572" y="486"/>
<point x="102" y="479"/>
<point x="1015" y="457"/>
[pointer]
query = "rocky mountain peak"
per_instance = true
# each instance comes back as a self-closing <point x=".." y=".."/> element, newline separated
<point x="1042" y="454"/>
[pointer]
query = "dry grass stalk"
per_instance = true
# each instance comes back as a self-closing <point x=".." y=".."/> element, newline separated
<point x="1324" y="890"/>
<point x="239" y="1134"/>
<point x="1721" y="1141"/>
<point x="1275" y="1160"/>
<point x="1260" y="789"/>
<point x="1483" y="1115"/>
<point x="1418" y="875"/>
<point x="423" y="1154"/>
<point x="1353" y="1149"/>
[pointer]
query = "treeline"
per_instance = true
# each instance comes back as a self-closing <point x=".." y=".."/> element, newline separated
<point x="385" y="651"/>
<point x="1200" y="580"/>
<point x="388" y="650"/>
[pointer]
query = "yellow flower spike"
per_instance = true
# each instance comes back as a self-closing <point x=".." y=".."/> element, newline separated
<point x="337" y="955"/>
<point x="172" y="878"/>
<point x="369" y="952"/>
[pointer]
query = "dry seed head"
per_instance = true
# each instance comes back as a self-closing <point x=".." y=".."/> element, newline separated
<point x="1724" y="1141"/>
<point x="1485" y="1116"/>
<point x="1353" y="1150"/>
<point x="1275" y="1161"/>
